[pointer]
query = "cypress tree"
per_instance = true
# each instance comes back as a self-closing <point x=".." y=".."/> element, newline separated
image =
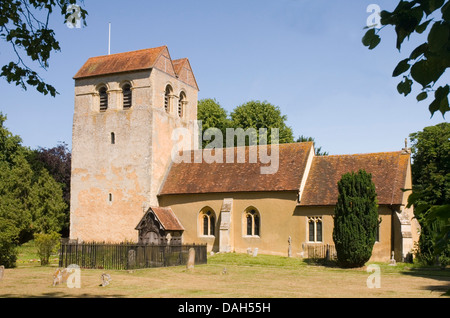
<point x="355" y="219"/>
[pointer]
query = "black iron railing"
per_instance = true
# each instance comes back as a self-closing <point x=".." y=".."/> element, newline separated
<point x="126" y="256"/>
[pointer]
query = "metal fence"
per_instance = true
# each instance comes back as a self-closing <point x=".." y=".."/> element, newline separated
<point x="321" y="251"/>
<point x="127" y="256"/>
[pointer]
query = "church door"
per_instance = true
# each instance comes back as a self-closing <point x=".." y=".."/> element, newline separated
<point x="151" y="238"/>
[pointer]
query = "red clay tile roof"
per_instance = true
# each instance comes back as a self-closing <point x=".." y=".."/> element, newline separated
<point x="190" y="178"/>
<point x="183" y="64"/>
<point x="122" y="62"/>
<point x="168" y="219"/>
<point x="388" y="174"/>
<point x="178" y="65"/>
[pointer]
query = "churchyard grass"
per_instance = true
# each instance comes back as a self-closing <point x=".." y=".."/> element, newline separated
<point x="229" y="276"/>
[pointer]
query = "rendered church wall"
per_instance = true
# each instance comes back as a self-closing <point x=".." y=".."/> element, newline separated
<point x="280" y="219"/>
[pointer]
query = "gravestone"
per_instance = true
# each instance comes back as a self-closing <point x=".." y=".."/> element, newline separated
<point x="2" y="272"/>
<point x="191" y="259"/>
<point x="393" y="262"/>
<point x="106" y="279"/>
<point x="249" y="251"/>
<point x="60" y="276"/>
<point x="131" y="258"/>
<point x="255" y="252"/>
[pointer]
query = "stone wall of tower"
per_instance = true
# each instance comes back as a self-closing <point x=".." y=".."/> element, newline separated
<point x="113" y="183"/>
<point x="164" y="123"/>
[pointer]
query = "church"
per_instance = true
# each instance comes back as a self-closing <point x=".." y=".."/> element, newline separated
<point x="125" y="185"/>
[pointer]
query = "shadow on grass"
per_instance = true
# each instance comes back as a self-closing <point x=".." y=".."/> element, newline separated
<point x="61" y="295"/>
<point x="436" y="273"/>
<point x="322" y="262"/>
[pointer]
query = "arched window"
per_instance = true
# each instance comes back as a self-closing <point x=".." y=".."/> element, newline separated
<point x="253" y="223"/>
<point x="127" y="96"/>
<point x="167" y="98"/>
<point x="181" y="103"/>
<point x="208" y="222"/>
<point x="315" y="229"/>
<point x="103" y="92"/>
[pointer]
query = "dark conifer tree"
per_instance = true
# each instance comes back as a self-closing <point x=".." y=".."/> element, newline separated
<point x="355" y="219"/>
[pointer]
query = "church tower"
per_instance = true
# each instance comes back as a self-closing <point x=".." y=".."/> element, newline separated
<point x="126" y="107"/>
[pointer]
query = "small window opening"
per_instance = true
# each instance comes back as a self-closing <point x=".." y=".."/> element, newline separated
<point x="127" y="96"/>
<point x="181" y="103"/>
<point x="103" y="99"/>
<point x="110" y="197"/>
<point x="167" y="97"/>
<point x="113" y="138"/>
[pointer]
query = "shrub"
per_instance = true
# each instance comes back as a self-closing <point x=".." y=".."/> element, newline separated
<point x="355" y="219"/>
<point x="46" y="245"/>
<point x="8" y="243"/>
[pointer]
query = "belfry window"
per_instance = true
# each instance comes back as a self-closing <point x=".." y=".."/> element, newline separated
<point x="127" y="96"/>
<point x="181" y="103"/>
<point x="103" y="98"/>
<point x="167" y="98"/>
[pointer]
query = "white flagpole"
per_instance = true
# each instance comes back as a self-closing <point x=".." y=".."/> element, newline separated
<point x="109" y="40"/>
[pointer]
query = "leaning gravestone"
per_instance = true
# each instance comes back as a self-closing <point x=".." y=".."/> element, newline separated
<point x="2" y="271"/>
<point x="191" y="259"/>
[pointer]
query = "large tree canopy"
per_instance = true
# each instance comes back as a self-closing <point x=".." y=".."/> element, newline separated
<point x="253" y="114"/>
<point x="427" y="62"/>
<point x="257" y="115"/>
<point x="431" y="190"/>
<point x="31" y="200"/>
<point x="213" y="116"/>
<point x="24" y="26"/>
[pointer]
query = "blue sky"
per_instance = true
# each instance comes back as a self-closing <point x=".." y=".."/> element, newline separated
<point x="304" y="56"/>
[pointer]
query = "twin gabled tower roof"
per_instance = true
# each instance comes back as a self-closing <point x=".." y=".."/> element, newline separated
<point x="140" y="60"/>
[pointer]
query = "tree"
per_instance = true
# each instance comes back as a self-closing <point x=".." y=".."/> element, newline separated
<point x="427" y="62"/>
<point x="24" y="24"/>
<point x="355" y="219"/>
<point x="30" y="198"/>
<point x="256" y="114"/>
<point x="15" y="182"/>
<point x="10" y="145"/>
<point x="431" y="190"/>
<point x="47" y="205"/>
<point x="8" y="243"/>
<point x="213" y="116"/>
<point x="57" y="161"/>
<point x="319" y="151"/>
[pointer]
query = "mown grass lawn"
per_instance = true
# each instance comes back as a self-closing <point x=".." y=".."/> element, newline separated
<point x="229" y="276"/>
